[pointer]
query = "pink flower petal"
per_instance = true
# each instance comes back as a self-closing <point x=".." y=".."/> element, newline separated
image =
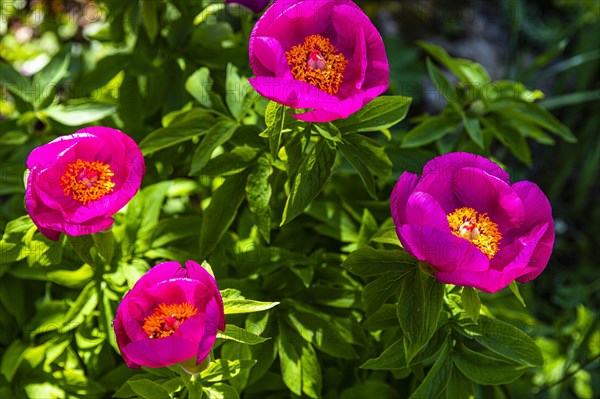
<point x="441" y="249"/>
<point x="402" y="190"/>
<point x="451" y="163"/>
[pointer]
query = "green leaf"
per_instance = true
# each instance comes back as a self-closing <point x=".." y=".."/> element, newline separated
<point x="309" y="181"/>
<point x="381" y="113"/>
<point x="437" y="378"/>
<point x="368" y="157"/>
<point x="258" y="193"/>
<point x="473" y="128"/>
<point x="223" y="369"/>
<point x="16" y="83"/>
<point x="153" y="197"/>
<point x="235" y="306"/>
<point x="377" y="292"/>
<point x="328" y="131"/>
<point x="46" y="80"/>
<point x="79" y="114"/>
<point x="150" y="18"/>
<point x="11" y="246"/>
<point x="431" y="129"/>
<point x="195" y="123"/>
<point x="199" y="85"/>
<point x="148" y="389"/>
<point x="105" y="243"/>
<point x="239" y="93"/>
<point x="216" y="136"/>
<point x="274" y="119"/>
<point x="385" y="317"/>
<point x="469" y="72"/>
<point x="370" y="152"/>
<point x="318" y="329"/>
<point x="12" y="358"/>
<point x="299" y="364"/>
<point x="471" y="302"/>
<point x="418" y="310"/>
<point x="238" y="334"/>
<point x="509" y="90"/>
<point x="509" y="134"/>
<point x="536" y="114"/>
<point x="368" y="227"/>
<point x="515" y="290"/>
<point x="168" y="230"/>
<point x="220" y="213"/>
<point x="230" y="163"/>
<point x="571" y="99"/>
<point x="365" y="174"/>
<point x="460" y="386"/>
<point x="367" y="262"/>
<point x="14" y="137"/>
<point x="506" y="340"/>
<point x="207" y="12"/>
<point x="485" y="370"/>
<point x="72" y="278"/>
<point x="237" y="351"/>
<point x="82" y="245"/>
<point x="393" y="357"/>
<point x="441" y="83"/>
<point x="220" y="391"/>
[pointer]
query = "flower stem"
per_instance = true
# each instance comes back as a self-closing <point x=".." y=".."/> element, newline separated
<point x="194" y="387"/>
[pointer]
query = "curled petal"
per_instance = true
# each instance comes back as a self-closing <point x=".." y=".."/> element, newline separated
<point x="442" y="249"/>
<point x="402" y="190"/>
<point x="451" y="163"/>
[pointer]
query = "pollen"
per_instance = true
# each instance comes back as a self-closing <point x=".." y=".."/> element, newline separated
<point x="166" y="319"/>
<point x="317" y="62"/>
<point x="87" y="181"/>
<point x="476" y="227"/>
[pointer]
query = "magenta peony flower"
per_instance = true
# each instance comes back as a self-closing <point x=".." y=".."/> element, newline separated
<point x="77" y="182"/>
<point x="171" y="315"/>
<point x="325" y="55"/>
<point x="466" y="220"/>
<point x="254" y="5"/>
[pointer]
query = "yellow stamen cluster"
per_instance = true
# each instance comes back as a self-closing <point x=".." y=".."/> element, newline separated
<point x="87" y="181"/>
<point x="476" y="227"/>
<point x="166" y="319"/>
<point x="317" y="62"/>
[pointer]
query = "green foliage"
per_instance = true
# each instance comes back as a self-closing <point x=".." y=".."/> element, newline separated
<point x="483" y="110"/>
<point x="321" y="301"/>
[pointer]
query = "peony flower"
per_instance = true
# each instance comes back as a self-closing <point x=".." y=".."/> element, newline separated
<point x="77" y="182"/>
<point x="474" y="228"/>
<point x="324" y="55"/>
<point x="254" y="5"/>
<point x="171" y="315"/>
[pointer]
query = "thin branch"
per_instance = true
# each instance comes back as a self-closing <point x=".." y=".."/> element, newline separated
<point x="568" y="375"/>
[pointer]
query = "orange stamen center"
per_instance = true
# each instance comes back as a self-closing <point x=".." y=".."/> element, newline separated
<point x="87" y="181"/>
<point x="317" y="62"/>
<point x="477" y="228"/>
<point x="166" y="319"/>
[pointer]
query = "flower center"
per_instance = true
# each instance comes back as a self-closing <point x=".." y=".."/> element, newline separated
<point x="87" y="181"/>
<point x="317" y="62"/>
<point x="477" y="228"/>
<point x="166" y="319"/>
